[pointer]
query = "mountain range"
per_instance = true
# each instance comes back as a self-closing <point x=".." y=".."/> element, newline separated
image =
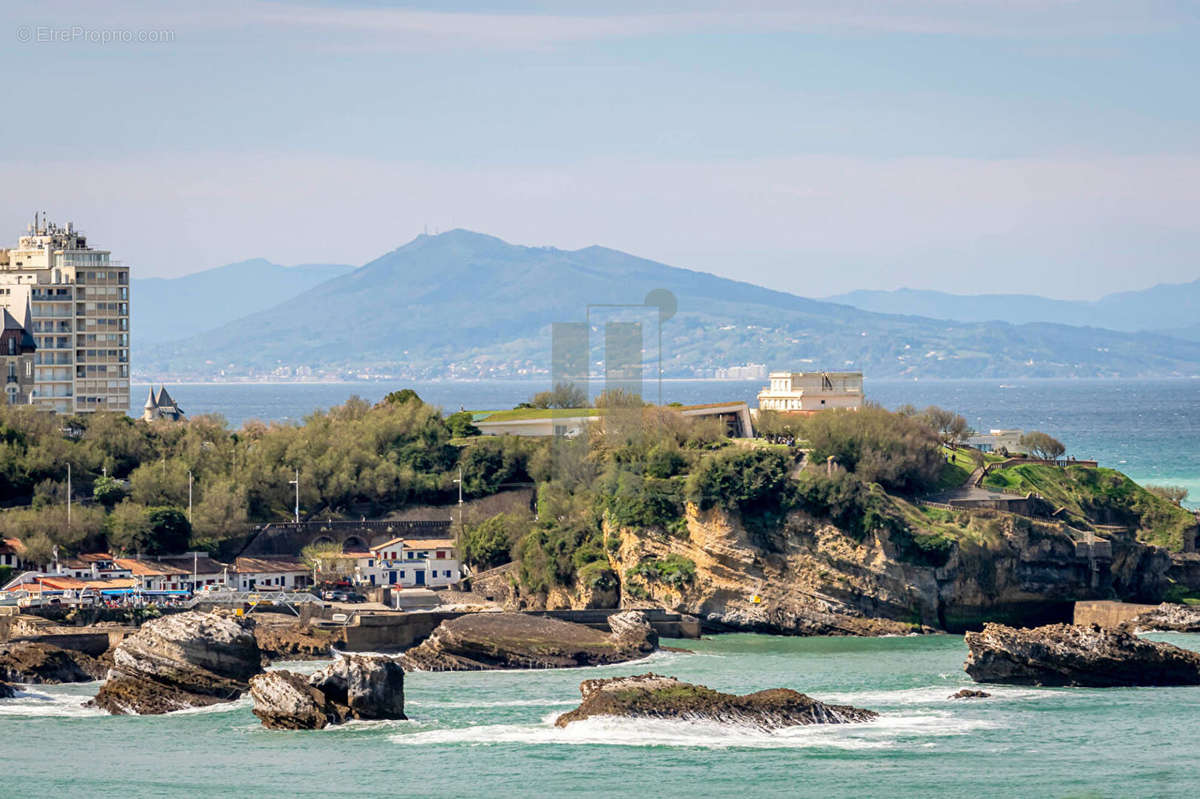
<point x="466" y="304"/>
<point x="169" y="309"/>
<point x="1173" y="309"/>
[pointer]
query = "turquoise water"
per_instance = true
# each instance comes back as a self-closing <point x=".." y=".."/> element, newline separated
<point x="491" y="734"/>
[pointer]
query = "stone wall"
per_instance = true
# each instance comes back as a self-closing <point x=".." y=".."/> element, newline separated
<point x="1108" y="614"/>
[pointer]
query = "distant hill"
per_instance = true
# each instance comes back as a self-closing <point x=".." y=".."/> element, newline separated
<point x="470" y="305"/>
<point x="169" y="309"/>
<point x="1164" y="308"/>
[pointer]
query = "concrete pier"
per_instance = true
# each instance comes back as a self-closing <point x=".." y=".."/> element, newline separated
<point x="1108" y="614"/>
<point x="397" y="631"/>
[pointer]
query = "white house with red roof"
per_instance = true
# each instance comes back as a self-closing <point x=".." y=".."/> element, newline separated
<point x="414" y="562"/>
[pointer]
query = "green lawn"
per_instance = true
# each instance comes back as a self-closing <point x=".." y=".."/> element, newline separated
<point x="1100" y="494"/>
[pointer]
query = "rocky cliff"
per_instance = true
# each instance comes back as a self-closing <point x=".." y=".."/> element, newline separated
<point x="806" y="576"/>
<point x="187" y="660"/>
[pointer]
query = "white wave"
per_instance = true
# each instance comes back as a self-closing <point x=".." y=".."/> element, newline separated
<point x="241" y="702"/>
<point x="931" y="695"/>
<point x="52" y="700"/>
<point x="610" y="731"/>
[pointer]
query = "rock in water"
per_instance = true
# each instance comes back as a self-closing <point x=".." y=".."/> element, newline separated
<point x="652" y="696"/>
<point x="36" y="662"/>
<point x="284" y="700"/>
<point x="967" y="693"/>
<point x="352" y="687"/>
<point x="522" y="641"/>
<point x="186" y="660"/>
<point x="1174" y="618"/>
<point x="633" y="629"/>
<point x="1067" y="654"/>
<point x="7" y="691"/>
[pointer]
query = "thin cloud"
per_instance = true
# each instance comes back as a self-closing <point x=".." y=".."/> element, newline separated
<point x="415" y="28"/>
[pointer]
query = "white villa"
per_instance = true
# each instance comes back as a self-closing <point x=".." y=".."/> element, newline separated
<point x="996" y="440"/>
<point x="809" y="392"/>
<point x="412" y="563"/>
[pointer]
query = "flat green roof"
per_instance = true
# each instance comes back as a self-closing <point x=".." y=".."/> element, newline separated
<point x="524" y="414"/>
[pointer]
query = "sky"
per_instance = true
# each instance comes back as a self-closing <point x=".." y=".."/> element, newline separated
<point x="812" y="146"/>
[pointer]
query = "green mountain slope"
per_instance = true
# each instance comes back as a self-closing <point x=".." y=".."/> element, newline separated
<point x="467" y="304"/>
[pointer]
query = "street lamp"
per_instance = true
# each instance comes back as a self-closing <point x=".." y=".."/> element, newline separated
<point x="296" y="483"/>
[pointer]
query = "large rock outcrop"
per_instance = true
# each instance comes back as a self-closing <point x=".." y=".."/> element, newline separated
<point x="37" y="662"/>
<point x="653" y="696"/>
<point x="807" y="576"/>
<point x="352" y="687"/>
<point x="1067" y="654"/>
<point x="1166" y="617"/>
<point x="522" y="641"/>
<point x="186" y="660"/>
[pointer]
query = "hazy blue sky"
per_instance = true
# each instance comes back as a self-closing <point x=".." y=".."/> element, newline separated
<point x="815" y="146"/>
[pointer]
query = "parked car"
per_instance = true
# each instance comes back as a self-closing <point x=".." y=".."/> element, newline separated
<point x="348" y="596"/>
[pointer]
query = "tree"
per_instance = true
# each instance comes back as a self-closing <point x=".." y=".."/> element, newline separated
<point x="108" y="491"/>
<point x="1176" y="494"/>
<point x="489" y="543"/>
<point x="619" y="398"/>
<point x="1042" y="445"/>
<point x="950" y="426"/>
<point x="563" y="395"/>
<point x="221" y="511"/>
<point x="169" y="530"/>
<point x="128" y="527"/>
<point x="325" y="559"/>
<point x="401" y="397"/>
<point x="135" y="528"/>
<point x="162" y="482"/>
<point x="460" y="425"/>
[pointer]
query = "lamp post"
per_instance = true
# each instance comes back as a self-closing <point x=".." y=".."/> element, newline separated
<point x="296" y="483"/>
<point x="68" y="493"/>
<point x="189" y="496"/>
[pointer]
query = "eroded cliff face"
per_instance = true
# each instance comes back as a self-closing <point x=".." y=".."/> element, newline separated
<point x="808" y="577"/>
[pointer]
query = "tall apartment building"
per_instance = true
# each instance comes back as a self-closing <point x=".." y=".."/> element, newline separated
<point x="79" y="300"/>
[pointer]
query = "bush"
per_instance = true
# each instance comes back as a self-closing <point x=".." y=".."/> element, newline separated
<point x="489" y="543"/>
<point x="460" y="425"/>
<point x="675" y="571"/>
<point x="744" y="481"/>
<point x="108" y="491"/>
<point x="897" y="451"/>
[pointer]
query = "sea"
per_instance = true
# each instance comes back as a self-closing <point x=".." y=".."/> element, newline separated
<point x="1149" y="429"/>
<point x="492" y="734"/>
